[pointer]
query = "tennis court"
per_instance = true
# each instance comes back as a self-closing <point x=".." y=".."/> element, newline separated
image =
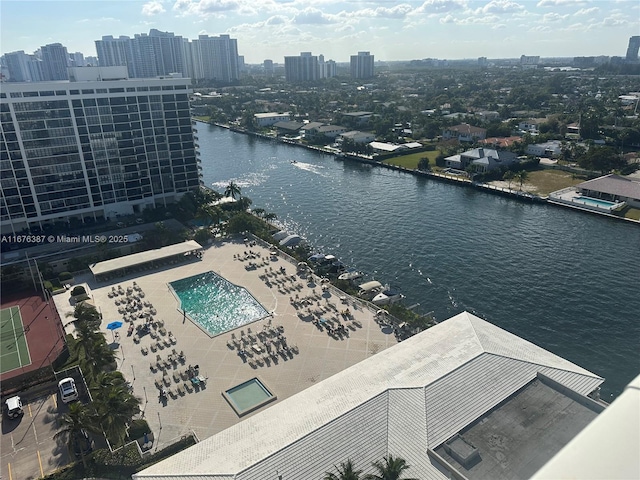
<point x="13" y="343"/>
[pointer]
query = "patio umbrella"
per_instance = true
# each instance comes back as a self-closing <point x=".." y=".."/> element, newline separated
<point x="113" y="326"/>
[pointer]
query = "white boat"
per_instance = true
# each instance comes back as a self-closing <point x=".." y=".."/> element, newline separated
<point x="350" y="275"/>
<point x="369" y="289"/>
<point x="387" y="296"/>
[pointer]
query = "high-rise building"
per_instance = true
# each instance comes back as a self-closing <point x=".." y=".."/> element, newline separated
<point x="76" y="59"/>
<point x="303" y="68"/>
<point x="93" y="149"/>
<point x="268" y="67"/>
<point x="18" y="65"/>
<point x="362" y="65"/>
<point x="330" y="68"/>
<point x="632" y="49"/>
<point x="145" y="55"/>
<point x="55" y="61"/>
<point x="219" y="58"/>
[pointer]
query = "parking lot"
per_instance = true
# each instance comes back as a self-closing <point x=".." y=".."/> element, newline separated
<point x="28" y="449"/>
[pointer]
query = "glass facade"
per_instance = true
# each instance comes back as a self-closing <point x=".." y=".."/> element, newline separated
<point x="77" y="154"/>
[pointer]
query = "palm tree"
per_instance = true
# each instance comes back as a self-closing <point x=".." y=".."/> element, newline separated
<point x="522" y="176"/>
<point x="346" y="471"/>
<point x="232" y="190"/>
<point x="391" y="469"/>
<point x="508" y="176"/>
<point x="115" y="407"/>
<point x="269" y="216"/>
<point x="71" y="426"/>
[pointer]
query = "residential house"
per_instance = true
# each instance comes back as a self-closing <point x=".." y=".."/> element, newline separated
<point x="288" y="128"/>
<point x="360" y="118"/>
<point x="268" y="119"/>
<point x="500" y="142"/>
<point x="382" y="147"/>
<point x="482" y="159"/>
<point x="612" y="188"/>
<point x="552" y="148"/>
<point x="324" y="131"/>
<point x="531" y="125"/>
<point x="356" y="136"/>
<point x="464" y="133"/>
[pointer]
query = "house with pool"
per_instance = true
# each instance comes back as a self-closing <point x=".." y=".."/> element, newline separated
<point x="463" y="399"/>
<point x="607" y="194"/>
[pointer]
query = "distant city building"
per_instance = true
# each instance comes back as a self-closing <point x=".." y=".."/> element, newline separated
<point x="91" y="150"/>
<point x="268" y="67"/>
<point x="482" y="61"/>
<point x="163" y="53"/>
<point x="529" y="61"/>
<point x="218" y="57"/>
<point x="632" y="49"/>
<point x="76" y="59"/>
<point x="55" y="61"/>
<point x="362" y="65"/>
<point x="23" y="67"/>
<point x="303" y="68"/>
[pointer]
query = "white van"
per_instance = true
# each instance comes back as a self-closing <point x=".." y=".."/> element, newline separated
<point x="13" y="407"/>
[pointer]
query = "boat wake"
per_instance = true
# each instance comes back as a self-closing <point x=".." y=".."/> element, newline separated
<point x="246" y="181"/>
<point x="310" y="167"/>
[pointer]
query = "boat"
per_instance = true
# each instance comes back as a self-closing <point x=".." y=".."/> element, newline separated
<point x="351" y="274"/>
<point x="387" y="296"/>
<point x="290" y="241"/>
<point x="369" y="289"/>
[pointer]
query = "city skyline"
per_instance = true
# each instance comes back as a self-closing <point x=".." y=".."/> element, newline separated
<point x="338" y="29"/>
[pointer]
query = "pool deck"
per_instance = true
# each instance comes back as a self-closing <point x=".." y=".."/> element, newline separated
<point x="205" y="411"/>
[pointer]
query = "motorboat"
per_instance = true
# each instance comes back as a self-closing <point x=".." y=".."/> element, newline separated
<point x="351" y="274"/>
<point x="369" y="289"/>
<point x="387" y="296"/>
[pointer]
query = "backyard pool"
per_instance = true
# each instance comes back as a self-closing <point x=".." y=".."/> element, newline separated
<point x="596" y="202"/>
<point x="215" y="304"/>
<point x="248" y="396"/>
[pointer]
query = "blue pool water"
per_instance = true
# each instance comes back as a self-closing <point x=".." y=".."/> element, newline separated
<point x="593" y="201"/>
<point x="216" y="304"/>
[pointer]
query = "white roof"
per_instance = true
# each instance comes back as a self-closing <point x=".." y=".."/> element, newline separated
<point x="386" y="147"/>
<point x="403" y="400"/>
<point x="144" y="257"/>
<point x="607" y="448"/>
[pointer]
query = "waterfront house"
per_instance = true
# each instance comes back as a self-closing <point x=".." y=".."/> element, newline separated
<point x="482" y="159"/>
<point x="324" y="131"/>
<point x="268" y="119"/>
<point x="288" y="128"/>
<point x="356" y="136"/>
<point x="552" y="148"/>
<point x="612" y="188"/>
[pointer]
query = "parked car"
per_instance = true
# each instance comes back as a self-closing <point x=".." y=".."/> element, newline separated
<point x="13" y="407"/>
<point x="68" y="390"/>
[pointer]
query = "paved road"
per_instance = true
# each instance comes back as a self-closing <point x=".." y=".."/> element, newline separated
<point x="28" y="450"/>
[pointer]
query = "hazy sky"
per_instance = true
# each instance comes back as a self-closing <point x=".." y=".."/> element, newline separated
<point x="390" y="30"/>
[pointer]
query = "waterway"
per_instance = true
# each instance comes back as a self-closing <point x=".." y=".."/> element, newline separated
<point x="565" y="280"/>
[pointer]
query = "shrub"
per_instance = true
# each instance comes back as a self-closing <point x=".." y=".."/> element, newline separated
<point x="64" y="276"/>
<point x="48" y="285"/>
<point x="79" y="290"/>
<point x="138" y="428"/>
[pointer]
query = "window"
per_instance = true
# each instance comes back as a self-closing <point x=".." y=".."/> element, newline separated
<point x="88" y="91"/>
<point x="116" y="90"/>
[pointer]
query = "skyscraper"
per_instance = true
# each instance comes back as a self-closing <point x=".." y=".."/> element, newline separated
<point x="55" y="61"/>
<point x="268" y="67"/>
<point x="18" y="65"/>
<point x="93" y="149"/>
<point x="219" y="58"/>
<point x="362" y="65"/>
<point x="303" y="68"/>
<point x="632" y="49"/>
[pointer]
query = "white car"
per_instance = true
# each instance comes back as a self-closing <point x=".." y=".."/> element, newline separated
<point x="13" y="407"/>
<point x="68" y="390"/>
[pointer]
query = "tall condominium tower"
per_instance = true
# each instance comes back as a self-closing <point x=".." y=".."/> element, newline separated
<point x="303" y="68"/>
<point x="23" y="67"/>
<point x="632" y="49"/>
<point x="145" y="55"/>
<point x="218" y="57"/>
<point x="268" y="67"/>
<point x="89" y="149"/>
<point x="55" y="61"/>
<point x="362" y="65"/>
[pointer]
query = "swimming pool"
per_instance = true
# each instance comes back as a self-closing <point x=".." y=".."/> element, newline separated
<point x="594" y="201"/>
<point x="248" y="396"/>
<point x="215" y="304"/>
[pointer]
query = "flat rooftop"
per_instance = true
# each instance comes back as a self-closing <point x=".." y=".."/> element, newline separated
<point x="515" y="439"/>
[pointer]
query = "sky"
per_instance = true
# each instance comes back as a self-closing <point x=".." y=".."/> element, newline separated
<point x="390" y="30"/>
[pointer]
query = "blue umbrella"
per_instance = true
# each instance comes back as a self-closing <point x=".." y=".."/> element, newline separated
<point x="114" y="325"/>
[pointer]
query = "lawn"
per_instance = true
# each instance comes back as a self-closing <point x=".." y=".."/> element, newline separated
<point x="411" y="161"/>
<point x="546" y="181"/>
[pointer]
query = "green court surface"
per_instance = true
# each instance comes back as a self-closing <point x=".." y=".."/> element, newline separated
<point x="14" y="352"/>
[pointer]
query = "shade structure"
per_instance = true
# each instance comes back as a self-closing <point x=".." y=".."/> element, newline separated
<point x="114" y="325"/>
<point x="291" y="241"/>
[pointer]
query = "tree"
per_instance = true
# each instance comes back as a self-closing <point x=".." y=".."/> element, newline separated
<point x="346" y="471"/>
<point x="521" y="176"/>
<point x="423" y="164"/>
<point x="391" y="469"/>
<point x="508" y="176"/>
<point x="72" y="425"/>
<point x="232" y="190"/>
<point x="115" y="407"/>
